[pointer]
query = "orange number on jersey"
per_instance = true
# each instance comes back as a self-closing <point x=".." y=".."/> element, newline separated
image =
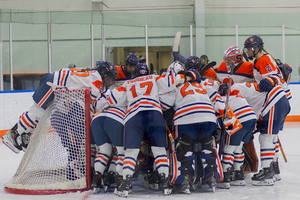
<point x="195" y="84"/>
<point x="254" y="84"/>
<point x="133" y="91"/>
<point x="78" y="72"/>
<point x="149" y="86"/>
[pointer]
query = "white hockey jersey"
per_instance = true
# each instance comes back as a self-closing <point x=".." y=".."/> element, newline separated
<point x="261" y="102"/>
<point x="241" y="109"/>
<point x="211" y="87"/>
<point x="191" y="104"/>
<point x="141" y="93"/>
<point x="75" y="79"/>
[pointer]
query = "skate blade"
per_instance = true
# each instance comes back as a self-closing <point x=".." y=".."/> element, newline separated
<point x="223" y="185"/>
<point x="96" y="190"/>
<point x="185" y="191"/>
<point x="238" y="183"/>
<point x="276" y="177"/>
<point x="167" y="191"/>
<point x="123" y="194"/>
<point x="267" y="182"/>
<point x="9" y="144"/>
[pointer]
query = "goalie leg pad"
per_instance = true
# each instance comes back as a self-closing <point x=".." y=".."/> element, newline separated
<point x="210" y="159"/>
<point x="183" y="146"/>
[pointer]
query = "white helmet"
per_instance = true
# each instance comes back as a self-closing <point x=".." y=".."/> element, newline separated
<point x="175" y="67"/>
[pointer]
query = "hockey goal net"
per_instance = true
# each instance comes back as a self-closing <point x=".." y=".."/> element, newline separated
<point x="57" y="159"/>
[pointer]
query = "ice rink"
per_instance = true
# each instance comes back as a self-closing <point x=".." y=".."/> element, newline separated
<point x="288" y="188"/>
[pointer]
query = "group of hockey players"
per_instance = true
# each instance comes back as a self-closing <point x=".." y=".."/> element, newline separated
<point x="182" y="129"/>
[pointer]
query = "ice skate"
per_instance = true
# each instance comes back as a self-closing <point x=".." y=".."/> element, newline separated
<point x="239" y="178"/>
<point x="12" y="139"/>
<point x="108" y="180"/>
<point x="97" y="182"/>
<point x="124" y="187"/>
<point x="225" y="184"/>
<point x="264" y="177"/>
<point x="184" y="187"/>
<point x="164" y="183"/>
<point x="152" y="180"/>
<point x="276" y="171"/>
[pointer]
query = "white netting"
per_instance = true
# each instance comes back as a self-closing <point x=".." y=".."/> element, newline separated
<point x="56" y="155"/>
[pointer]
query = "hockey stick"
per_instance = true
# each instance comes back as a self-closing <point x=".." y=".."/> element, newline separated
<point x="151" y="68"/>
<point x="281" y="149"/>
<point x="206" y="67"/>
<point x="176" y="41"/>
<point x="223" y="132"/>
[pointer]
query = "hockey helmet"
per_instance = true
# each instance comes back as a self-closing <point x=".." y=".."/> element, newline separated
<point x="140" y="69"/>
<point x="131" y="59"/>
<point x="193" y="62"/>
<point x="254" y="43"/>
<point x="175" y="67"/>
<point x="108" y="72"/>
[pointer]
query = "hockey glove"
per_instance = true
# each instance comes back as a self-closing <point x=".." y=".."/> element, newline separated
<point x="194" y="74"/>
<point x="223" y="89"/>
<point x="267" y="84"/>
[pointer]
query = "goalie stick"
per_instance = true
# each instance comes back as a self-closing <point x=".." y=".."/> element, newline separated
<point x="225" y="110"/>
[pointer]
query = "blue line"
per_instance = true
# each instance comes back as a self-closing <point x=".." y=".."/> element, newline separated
<point x="294" y="83"/>
<point x="17" y="91"/>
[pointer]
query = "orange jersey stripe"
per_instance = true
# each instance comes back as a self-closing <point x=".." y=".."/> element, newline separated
<point x="193" y="108"/>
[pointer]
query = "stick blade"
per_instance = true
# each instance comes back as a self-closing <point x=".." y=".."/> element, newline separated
<point x="176" y="41"/>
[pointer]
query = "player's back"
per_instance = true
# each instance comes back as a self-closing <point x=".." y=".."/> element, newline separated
<point x="76" y="79"/>
<point x="192" y="104"/>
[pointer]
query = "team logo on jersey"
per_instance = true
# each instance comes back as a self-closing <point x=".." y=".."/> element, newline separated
<point x="269" y="68"/>
<point x="251" y="39"/>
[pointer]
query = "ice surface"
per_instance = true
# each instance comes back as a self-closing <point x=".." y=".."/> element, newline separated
<point x="288" y="188"/>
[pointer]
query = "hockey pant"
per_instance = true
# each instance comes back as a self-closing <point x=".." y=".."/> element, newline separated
<point x="198" y="160"/>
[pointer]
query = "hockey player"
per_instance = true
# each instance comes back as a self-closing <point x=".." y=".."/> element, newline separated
<point x="233" y="156"/>
<point x="242" y="72"/>
<point x="144" y="120"/>
<point x="274" y="109"/>
<point x="103" y="76"/>
<point x="195" y="122"/>
<point x="107" y="128"/>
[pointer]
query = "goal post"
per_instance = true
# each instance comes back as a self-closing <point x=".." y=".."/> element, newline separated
<point x="58" y="157"/>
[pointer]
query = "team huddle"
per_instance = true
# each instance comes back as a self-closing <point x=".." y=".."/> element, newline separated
<point x="181" y="129"/>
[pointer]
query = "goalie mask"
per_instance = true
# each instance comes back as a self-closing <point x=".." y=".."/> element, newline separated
<point x="232" y="56"/>
<point x="140" y="70"/>
<point x="175" y="67"/>
<point x="254" y="44"/>
<point x="108" y="72"/>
